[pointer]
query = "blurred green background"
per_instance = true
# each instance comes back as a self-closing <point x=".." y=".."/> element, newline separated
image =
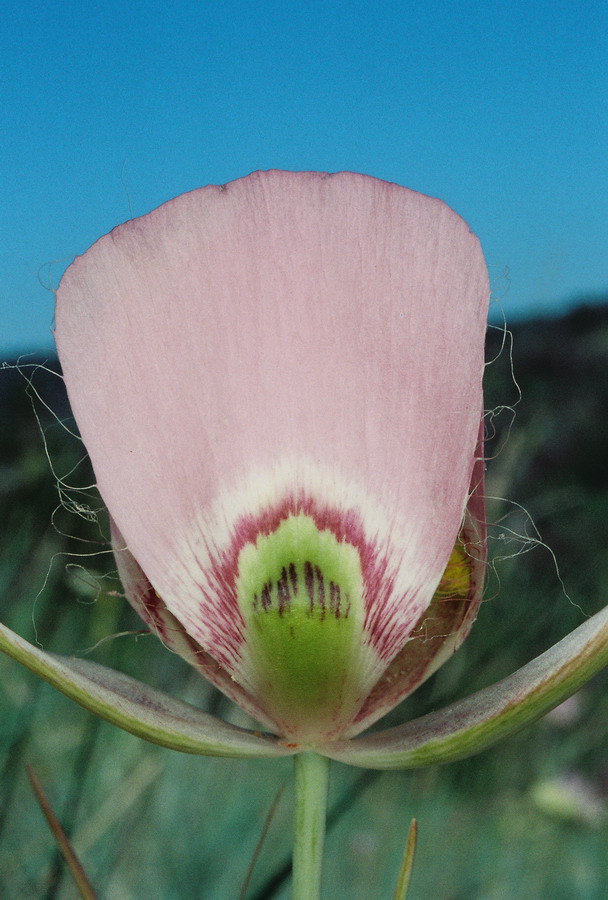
<point x="523" y="821"/>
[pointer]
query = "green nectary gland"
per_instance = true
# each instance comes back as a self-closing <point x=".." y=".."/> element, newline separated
<point x="300" y="591"/>
<point x="301" y="567"/>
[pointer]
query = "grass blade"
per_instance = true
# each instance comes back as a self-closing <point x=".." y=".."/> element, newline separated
<point x="405" y="873"/>
<point x="83" y="884"/>
<point x="260" y="843"/>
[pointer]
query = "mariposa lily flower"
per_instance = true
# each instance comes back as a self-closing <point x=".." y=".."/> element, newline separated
<point x="279" y="384"/>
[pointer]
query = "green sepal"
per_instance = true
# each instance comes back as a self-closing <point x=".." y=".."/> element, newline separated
<point x="472" y="724"/>
<point x="142" y="710"/>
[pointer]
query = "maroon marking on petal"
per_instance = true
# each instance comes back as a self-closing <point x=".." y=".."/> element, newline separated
<point x="294" y="578"/>
<point x="266" y="597"/>
<point x="334" y="599"/>
<point x="310" y="585"/>
<point x="320" y="590"/>
<point x="283" y="592"/>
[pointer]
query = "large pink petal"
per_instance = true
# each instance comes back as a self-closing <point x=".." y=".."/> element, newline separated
<point x="287" y="342"/>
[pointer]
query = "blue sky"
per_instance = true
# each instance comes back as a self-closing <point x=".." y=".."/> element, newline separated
<point x="499" y="108"/>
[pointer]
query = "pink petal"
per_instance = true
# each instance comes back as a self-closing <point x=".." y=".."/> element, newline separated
<point x="287" y="342"/>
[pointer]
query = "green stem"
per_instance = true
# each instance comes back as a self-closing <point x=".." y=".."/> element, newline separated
<point x="312" y="777"/>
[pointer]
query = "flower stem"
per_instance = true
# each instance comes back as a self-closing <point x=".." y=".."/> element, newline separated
<point x="312" y="777"/>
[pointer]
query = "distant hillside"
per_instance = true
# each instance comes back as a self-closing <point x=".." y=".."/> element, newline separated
<point x="561" y="367"/>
